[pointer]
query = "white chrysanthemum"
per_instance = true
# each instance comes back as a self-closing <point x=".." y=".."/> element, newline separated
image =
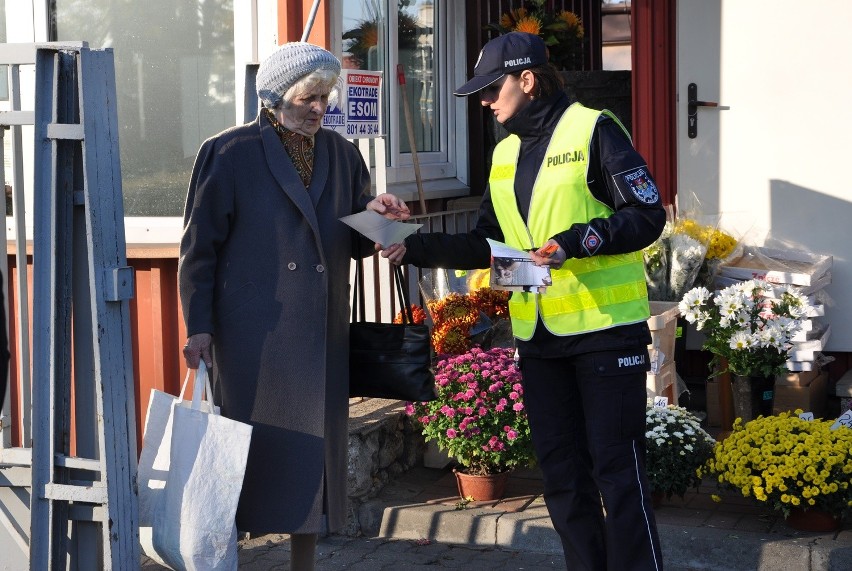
<point x="694" y="299"/>
<point x="740" y="341"/>
<point x="788" y="325"/>
<point x="773" y="335"/>
<point x="692" y="315"/>
<point x="742" y="319"/>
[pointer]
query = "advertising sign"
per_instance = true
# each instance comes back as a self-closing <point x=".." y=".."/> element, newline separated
<point x="357" y="114"/>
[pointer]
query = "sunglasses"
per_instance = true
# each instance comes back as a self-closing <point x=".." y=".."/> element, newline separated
<point x="493" y="90"/>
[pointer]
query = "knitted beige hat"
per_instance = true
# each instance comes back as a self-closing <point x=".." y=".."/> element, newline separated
<point x="287" y="65"/>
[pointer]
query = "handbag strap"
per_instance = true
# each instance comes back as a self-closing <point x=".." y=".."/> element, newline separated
<point x="401" y="291"/>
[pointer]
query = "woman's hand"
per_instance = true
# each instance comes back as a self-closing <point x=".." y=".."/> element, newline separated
<point x="393" y="253"/>
<point x="551" y="254"/>
<point x="198" y="347"/>
<point x="389" y="206"/>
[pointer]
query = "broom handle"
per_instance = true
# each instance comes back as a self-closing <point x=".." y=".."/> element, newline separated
<point x="400" y="75"/>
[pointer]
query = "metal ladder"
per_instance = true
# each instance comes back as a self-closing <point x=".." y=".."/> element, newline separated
<point x="83" y="506"/>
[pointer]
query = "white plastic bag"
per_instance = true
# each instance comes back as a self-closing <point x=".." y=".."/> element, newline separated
<point x="190" y="476"/>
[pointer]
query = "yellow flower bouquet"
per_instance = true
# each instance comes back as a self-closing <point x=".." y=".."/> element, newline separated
<point x="688" y="253"/>
<point x="786" y="462"/>
<point x="561" y="30"/>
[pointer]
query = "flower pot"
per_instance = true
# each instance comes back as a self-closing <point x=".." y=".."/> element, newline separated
<point x="752" y="396"/>
<point x="481" y="488"/>
<point x="812" y="520"/>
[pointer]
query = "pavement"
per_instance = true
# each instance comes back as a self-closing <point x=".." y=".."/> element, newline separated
<point x="420" y="523"/>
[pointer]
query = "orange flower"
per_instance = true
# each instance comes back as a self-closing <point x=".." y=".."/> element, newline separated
<point x="508" y="19"/>
<point x="451" y="338"/>
<point x="417" y="314"/>
<point x="371" y="36"/>
<point x="530" y="25"/>
<point x="454" y="307"/>
<point x="561" y="30"/>
<point x="493" y="303"/>
<point x="572" y="20"/>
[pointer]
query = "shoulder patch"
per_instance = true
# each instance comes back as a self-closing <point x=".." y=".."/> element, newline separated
<point x="591" y="241"/>
<point x="641" y="185"/>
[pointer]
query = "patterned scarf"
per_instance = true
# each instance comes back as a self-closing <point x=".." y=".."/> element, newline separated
<point x="299" y="148"/>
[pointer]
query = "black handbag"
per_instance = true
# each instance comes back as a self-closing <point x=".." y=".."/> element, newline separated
<point x="390" y="360"/>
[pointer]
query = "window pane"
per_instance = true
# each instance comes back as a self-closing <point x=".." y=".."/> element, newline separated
<point x="174" y="74"/>
<point x="364" y="32"/>
<point x="364" y="47"/>
<point x="416" y="50"/>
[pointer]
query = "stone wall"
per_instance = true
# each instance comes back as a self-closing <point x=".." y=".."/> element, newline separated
<point x="383" y="443"/>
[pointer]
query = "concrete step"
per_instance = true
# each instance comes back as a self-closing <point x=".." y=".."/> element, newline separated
<point x="695" y="532"/>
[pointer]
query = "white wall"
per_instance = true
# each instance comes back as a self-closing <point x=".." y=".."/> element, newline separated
<point x="784" y="142"/>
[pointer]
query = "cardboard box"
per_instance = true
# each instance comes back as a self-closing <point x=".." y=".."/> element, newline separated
<point x="663" y="326"/>
<point x="814" y="341"/>
<point x="663" y="383"/>
<point x="777" y="266"/>
<point x="797" y="366"/>
<point x="798" y="379"/>
<point x="721" y="282"/>
<point x="714" y="410"/>
<point x="843" y="389"/>
<point x="811" y="398"/>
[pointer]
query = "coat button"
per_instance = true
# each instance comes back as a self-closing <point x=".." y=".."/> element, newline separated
<point x="291" y="266"/>
<point x="320" y="268"/>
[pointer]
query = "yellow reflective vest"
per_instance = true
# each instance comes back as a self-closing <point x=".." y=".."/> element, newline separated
<point x="588" y="294"/>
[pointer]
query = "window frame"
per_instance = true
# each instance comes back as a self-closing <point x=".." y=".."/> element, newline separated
<point x="444" y="172"/>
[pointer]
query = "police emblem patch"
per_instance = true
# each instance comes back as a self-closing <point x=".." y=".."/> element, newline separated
<point x="591" y="241"/>
<point x="641" y="185"/>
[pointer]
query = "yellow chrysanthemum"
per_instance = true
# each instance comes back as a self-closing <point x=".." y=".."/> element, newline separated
<point x="785" y="461"/>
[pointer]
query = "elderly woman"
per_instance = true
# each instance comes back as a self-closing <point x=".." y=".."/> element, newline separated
<point x="264" y="268"/>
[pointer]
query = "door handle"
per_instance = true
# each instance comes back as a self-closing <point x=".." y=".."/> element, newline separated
<point x="692" y="105"/>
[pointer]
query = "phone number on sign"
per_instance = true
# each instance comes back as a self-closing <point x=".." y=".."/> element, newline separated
<point x="362" y="129"/>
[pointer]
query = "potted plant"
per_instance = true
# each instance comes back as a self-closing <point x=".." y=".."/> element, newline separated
<point x="676" y="448"/>
<point x="799" y="467"/>
<point x="479" y="416"/>
<point x="748" y="327"/>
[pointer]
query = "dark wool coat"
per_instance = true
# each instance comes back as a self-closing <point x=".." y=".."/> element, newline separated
<point x="264" y="267"/>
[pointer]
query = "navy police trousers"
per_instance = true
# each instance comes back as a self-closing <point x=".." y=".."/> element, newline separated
<point x="587" y="419"/>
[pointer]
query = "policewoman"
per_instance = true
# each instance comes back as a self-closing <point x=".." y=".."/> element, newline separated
<point x="567" y="181"/>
